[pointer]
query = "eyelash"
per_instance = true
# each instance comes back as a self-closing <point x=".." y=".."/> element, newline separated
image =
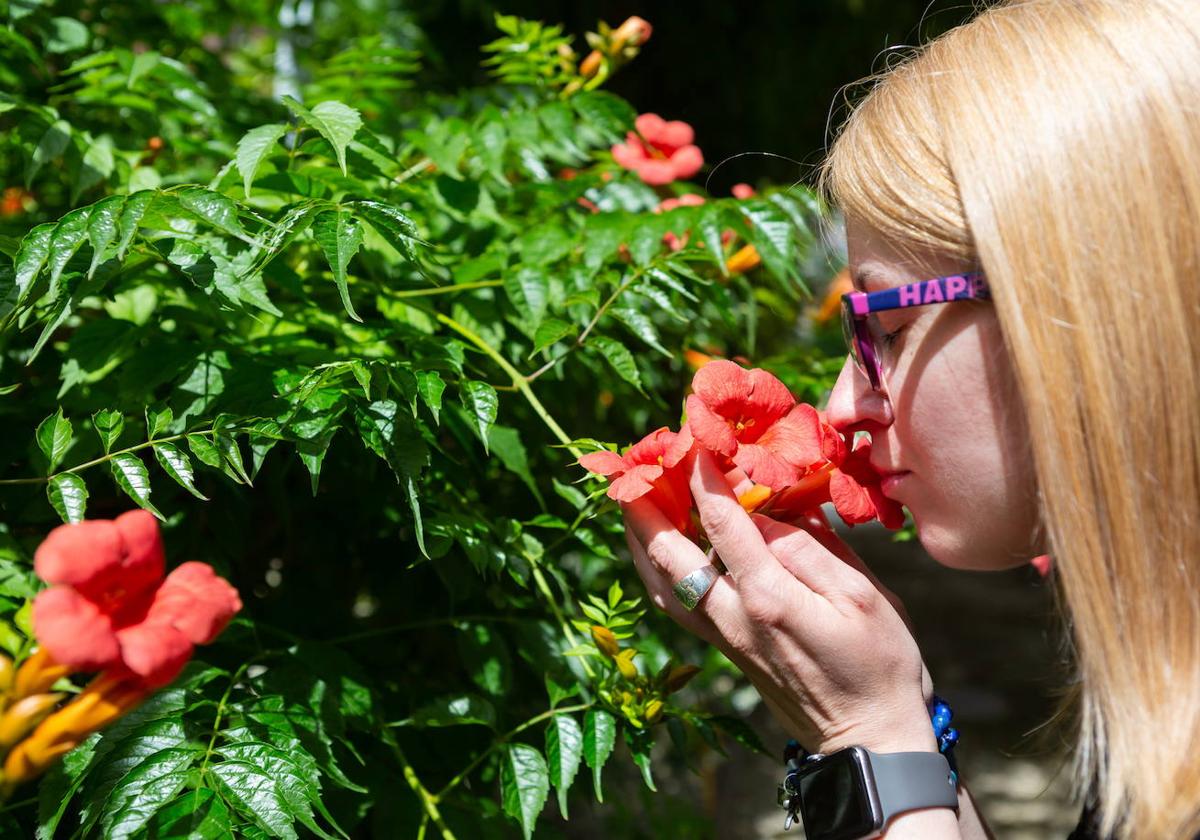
<point x="890" y="338"/>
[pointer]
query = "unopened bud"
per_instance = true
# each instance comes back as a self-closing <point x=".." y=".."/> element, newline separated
<point x="625" y="664"/>
<point x="590" y="66"/>
<point x="634" y="32"/>
<point x="23" y="716"/>
<point x="37" y="674"/>
<point x="678" y="677"/>
<point x="605" y="640"/>
<point x="653" y="711"/>
<point x="7" y="674"/>
<point x="744" y="260"/>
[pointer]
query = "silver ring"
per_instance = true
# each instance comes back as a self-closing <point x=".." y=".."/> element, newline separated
<point x="692" y="587"/>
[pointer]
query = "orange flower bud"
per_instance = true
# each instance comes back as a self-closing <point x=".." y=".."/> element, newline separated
<point x="605" y="640"/>
<point x="832" y="303"/>
<point x="37" y="674"/>
<point x="744" y="260"/>
<point x="695" y="359"/>
<point x="102" y="702"/>
<point x="590" y="66"/>
<point x="678" y="677"/>
<point x="625" y="664"/>
<point x="7" y="674"/>
<point x="653" y="711"/>
<point x="634" y="32"/>
<point x="23" y="716"/>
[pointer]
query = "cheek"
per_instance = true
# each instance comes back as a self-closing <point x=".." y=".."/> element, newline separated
<point x="960" y="430"/>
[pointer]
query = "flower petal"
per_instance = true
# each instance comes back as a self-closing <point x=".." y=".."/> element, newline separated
<point x="709" y="428"/>
<point x="687" y="161"/>
<point x="851" y="499"/>
<point x="656" y="173"/>
<point x="635" y="483"/>
<point x="795" y="437"/>
<point x="722" y="385"/>
<point x="679" y="446"/>
<point x="650" y="449"/>
<point x="766" y="466"/>
<point x="603" y="462"/>
<point x="674" y="134"/>
<point x="769" y="400"/>
<point x="74" y="630"/>
<point x="649" y="126"/>
<point x="156" y="653"/>
<point x="196" y="601"/>
<point x="79" y="553"/>
<point x="143" y="563"/>
<point x="630" y="154"/>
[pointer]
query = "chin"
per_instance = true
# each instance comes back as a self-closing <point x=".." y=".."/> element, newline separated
<point x="960" y="548"/>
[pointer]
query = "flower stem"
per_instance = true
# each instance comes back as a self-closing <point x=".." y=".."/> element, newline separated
<point x="107" y="457"/>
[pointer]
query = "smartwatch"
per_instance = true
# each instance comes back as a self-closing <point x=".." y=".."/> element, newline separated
<point x="851" y="794"/>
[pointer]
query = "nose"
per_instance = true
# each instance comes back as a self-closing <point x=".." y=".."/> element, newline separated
<point x="854" y="405"/>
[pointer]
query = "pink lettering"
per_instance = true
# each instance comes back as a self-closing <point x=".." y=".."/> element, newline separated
<point x="933" y="293"/>
<point x="956" y="286"/>
<point x="910" y="295"/>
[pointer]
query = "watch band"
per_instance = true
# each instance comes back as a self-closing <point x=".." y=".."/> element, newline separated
<point x="906" y="781"/>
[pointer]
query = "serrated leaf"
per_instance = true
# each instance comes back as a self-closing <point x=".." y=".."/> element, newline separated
<point x="548" y="332"/>
<point x="69" y="235"/>
<point x="196" y="815"/>
<point x="564" y="751"/>
<point x="599" y="738"/>
<point x="340" y="236"/>
<point x="618" y="355"/>
<point x="296" y="777"/>
<point x="52" y="144"/>
<point x="227" y="445"/>
<point x="54" y="436"/>
<point x="102" y="227"/>
<point x="481" y="401"/>
<point x="524" y="784"/>
<point x="335" y="121"/>
<point x="391" y="223"/>
<point x="146" y="788"/>
<point x="158" y="422"/>
<point x="217" y="209"/>
<point x="31" y="257"/>
<point x="639" y="743"/>
<point x="202" y="447"/>
<point x="771" y="233"/>
<point x="132" y="476"/>
<point x="178" y="465"/>
<point x="641" y="326"/>
<point x="528" y="290"/>
<point x="131" y="217"/>
<point x="255" y="145"/>
<point x="68" y="495"/>
<point x="254" y="794"/>
<point x="430" y="386"/>
<point x="108" y="424"/>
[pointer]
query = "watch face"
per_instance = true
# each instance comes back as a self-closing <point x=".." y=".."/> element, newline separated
<point x="834" y="799"/>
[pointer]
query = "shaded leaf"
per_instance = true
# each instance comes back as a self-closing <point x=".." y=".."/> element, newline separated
<point x="481" y="401"/>
<point x="524" y="784"/>
<point x="108" y="424"/>
<point x="339" y="235"/>
<point x="618" y="355"/>
<point x="564" y="751"/>
<point x="599" y="738"/>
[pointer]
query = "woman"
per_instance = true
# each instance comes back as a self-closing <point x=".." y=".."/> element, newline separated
<point x="1054" y="146"/>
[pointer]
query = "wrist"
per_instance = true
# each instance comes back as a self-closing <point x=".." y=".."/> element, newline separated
<point x="909" y="732"/>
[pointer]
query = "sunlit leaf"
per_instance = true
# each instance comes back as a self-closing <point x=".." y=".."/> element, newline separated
<point x="68" y="495"/>
<point x="340" y="236"/>
<point x="255" y="145"/>
<point x="335" y="121"/>
<point x="564" y="751"/>
<point x="524" y="784"/>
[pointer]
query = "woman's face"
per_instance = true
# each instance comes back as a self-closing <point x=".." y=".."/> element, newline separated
<point x="949" y="417"/>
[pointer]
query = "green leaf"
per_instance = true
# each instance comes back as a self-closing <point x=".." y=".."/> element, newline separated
<point x="599" y="738"/>
<point x="297" y="780"/>
<point x="147" y="787"/>
<point x="481" y="401"/>
<point x="132" y="477"/>
<point x="178" y="465"/>
<point x="340" y="236"/>
<point x="256" y="144"/>
<point x="430" y="386"/>
<point x="390" y="223"/>
<point x="640" y="743"/>
<point x="771" y="233"/>
<point x="249" y="789"/>
<point x="505" y="442"/>
<point x="109" y="425"/>
<point x="564" y="751"/>
<point x="53" y="143"/>
<point x="485" y="657"/>
<point x="69" y="235"/>
<point x="218" y="210"/>
<point x="196" y="815"/>
<point x="31" y="257"/>
<point x="54" y="436"/>
<point x="528" y="289"/>
<point x="619" y="357"/>
<point x="102" y="227"/>
<point x="227" y="445"/>
<point x="336" y="122"/>
<point x="740" y="731"/>
<point x="158" y="422"/>
<point x="524" y="784"/>
<point x="548" y="332"/>
<point x="202" y="447"/>
<point x="458" y="710"/>
<point x="68" y="495"/>
<point x="131" y="217"/>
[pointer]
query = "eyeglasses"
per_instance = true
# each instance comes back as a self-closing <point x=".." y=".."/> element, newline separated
<point x="858" y="307"/>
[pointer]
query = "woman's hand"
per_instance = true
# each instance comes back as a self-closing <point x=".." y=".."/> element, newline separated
<point x="826" y="645"/>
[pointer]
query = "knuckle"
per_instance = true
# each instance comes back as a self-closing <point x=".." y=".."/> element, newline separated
<point x="858" y="594"/>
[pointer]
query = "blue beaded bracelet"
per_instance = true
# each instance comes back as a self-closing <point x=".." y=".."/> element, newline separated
<point x="940" y="715"/>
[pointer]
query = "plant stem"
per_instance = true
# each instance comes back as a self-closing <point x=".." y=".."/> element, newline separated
<point x="104" y="458"/>
<point x="441" y="290"/>
<point x="518" y="380"/>
<point x="428" y="800"/>
<point x="505" y="738"/>
<point x="544" y="588"/>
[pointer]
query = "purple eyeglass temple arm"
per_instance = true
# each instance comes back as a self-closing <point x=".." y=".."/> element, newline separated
<point x="952" y="287"/>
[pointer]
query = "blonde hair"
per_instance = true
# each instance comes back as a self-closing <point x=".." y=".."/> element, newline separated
<point x="1056" y="144"/>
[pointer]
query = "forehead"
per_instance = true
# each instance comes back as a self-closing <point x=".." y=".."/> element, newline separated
<point x="876" y="263"/>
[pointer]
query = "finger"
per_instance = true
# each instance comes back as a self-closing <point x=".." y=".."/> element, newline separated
<point x="730" y="528"/>
<point x="739" y="482"/>
<point x="802" y="554"/>
<point x="673" y="556"/>
<point x="661" y="595"/>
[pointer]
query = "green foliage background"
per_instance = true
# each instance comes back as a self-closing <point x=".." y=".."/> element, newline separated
<point x="348" y="351"/>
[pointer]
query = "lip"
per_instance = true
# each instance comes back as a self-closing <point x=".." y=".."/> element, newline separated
<point x="890" y="481"/>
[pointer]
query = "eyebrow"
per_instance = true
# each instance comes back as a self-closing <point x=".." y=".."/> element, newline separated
<point x="861" y="275"/>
